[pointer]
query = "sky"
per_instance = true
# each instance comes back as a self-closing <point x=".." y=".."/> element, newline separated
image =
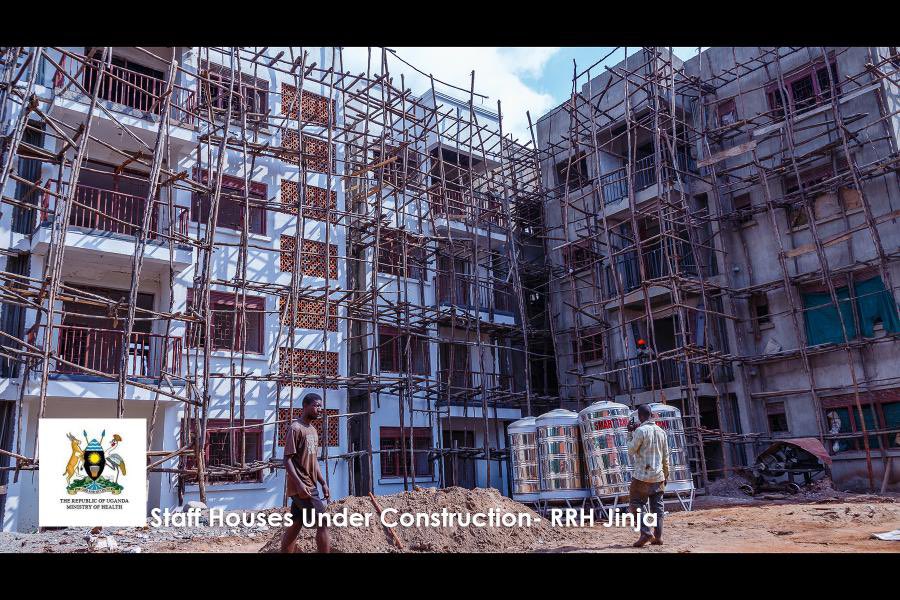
<point x="533" y="79"/>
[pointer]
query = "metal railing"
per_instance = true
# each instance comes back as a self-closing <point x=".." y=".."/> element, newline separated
<point x="149" y="354"/>
<point x="647" y="374"/>
<point x="115" y="212"/>
<point x="455" y="205"/>
<point x="128" y="88"/>
<point x="656" y="265"/>
<point x="465" y="292"/>
<point x="615" y="183"/>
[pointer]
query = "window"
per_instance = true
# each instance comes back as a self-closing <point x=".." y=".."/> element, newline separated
<point x="590" y="347"/>
<point x="880" y="410"/>
<point x="574" y="174"/>
<point x="214" y="94"/>
<point x="777" y="417"/>
<point x="454" y="361"/>
<point x="391" y="255"/>
<point x="391" y="446"/>
<point x="231" y="203"/>
<point x="871" y="304"/>
<point x="726" y="112"/>
<point x="759" y="309"/>
<point x="392" y="350"/>
<point x="580" y="255"/>
<point x="224" y="335"/>
<point x="222" y="447"/>
<point x="805" y="88"/>
<point x="743" y="207"/>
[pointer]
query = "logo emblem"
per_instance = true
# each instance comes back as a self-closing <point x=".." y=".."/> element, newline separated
<point x="92" y="462"/>
<point x="82" y="476"/>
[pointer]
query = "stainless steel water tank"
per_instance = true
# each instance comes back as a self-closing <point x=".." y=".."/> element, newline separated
<point x="526" y="476"/>
<point x="559" y="453"/>
<point x="669" y="419"/>
<point x="604" y="435"/>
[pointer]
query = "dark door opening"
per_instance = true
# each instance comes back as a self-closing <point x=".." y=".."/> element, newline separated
<point x="7" y="420"/>
<point x="712" y="450"/>
<point x="459" y="470"/>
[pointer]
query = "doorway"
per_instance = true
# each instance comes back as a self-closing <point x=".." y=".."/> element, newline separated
<point x="459" y="469"/>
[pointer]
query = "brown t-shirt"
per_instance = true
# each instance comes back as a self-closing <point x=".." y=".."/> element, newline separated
<point x="301" y="446"/>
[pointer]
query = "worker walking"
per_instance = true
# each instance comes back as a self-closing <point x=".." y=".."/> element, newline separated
<point x="301" y="465"/>
<point x="648" y="449"/>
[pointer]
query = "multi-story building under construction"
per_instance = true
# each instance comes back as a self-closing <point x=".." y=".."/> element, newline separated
<point x="202" y="236"/>
<point x="723" y="237"/>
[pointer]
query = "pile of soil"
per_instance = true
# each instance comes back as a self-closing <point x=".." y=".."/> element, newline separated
<point x="728" y="487"/>
<point x="455" y="538"/>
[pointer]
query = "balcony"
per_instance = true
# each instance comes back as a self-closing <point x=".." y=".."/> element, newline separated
<point x="104" y="226"/>
<point x="663" y="373"/>
<point x="149" y="355"/>
<point x="614" y="185"/>
<point x="463" y="291"/>
<point x="458" y="211"/>
<point x="114" y="212"/>
<point x="656" y="265"/>
<point x="127" y="88"/>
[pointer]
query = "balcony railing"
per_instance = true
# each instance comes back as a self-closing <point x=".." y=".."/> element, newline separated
<point x="656" y="265"/>
<point x="484" y="210"/>
<point x="149" y="354"/>
<point x="465" y="292"/>
<point x="128" y="88"/>
<point x="115" y="212"/>
<point x="666" y="372"/>
<point x="615" y="183"/>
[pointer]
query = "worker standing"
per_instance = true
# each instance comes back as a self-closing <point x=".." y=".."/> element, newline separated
<point x="648" y="449"/>
<point x="301" y="465"/>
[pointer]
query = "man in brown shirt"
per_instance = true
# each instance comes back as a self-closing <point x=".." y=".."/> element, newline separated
<point x="301" y="465"/>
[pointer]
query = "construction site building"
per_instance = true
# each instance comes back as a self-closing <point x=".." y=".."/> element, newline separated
<point x="202" y="236"/>
<point x="705" y="219"/>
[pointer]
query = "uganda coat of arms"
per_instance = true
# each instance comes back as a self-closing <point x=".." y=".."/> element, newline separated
<point x="92" y="462"/>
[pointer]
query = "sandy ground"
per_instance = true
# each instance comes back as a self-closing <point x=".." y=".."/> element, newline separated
<point x="842" y="527"/>
<point x="823" y="521"/>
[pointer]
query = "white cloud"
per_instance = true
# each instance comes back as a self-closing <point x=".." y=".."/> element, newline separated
<point x="499" y="75"/>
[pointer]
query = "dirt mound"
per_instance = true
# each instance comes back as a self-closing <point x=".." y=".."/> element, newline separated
<point x="451" y="538"/>
<point x="729" y="487"/>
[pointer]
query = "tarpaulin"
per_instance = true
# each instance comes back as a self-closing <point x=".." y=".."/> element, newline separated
<point x="811" y="445"/>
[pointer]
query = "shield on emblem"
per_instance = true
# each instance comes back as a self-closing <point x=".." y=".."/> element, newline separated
<point x="94" y="460"/>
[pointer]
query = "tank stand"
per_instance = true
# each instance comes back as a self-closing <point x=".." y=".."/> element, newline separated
<point x="684" y="498"/>
<point x="608" y="503"/>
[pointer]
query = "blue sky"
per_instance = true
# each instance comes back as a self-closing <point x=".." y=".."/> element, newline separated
<point x="526" y="80"/>
<point x="556" y="76"/>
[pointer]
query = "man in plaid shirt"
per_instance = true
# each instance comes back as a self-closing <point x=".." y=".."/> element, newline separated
<point x="648" y="449"/>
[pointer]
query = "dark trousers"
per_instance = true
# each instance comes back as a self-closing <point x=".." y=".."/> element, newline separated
<point x="640" y="494"/>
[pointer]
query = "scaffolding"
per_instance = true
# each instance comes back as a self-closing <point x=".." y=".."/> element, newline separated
<point x="690" y="132"/>
<point x="428" y="191"/>
<point x="436" y="195"/>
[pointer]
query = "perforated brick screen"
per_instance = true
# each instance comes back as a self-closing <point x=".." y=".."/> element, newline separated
<point x="331" y="440"/>
<point x="312" y="257"/>
<point x="318" y="201"/>
<point x="302" y="361"/>
<point x="310" y="314"/>
<point x="314" y="107"/>
<point x="314" y="151"/>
